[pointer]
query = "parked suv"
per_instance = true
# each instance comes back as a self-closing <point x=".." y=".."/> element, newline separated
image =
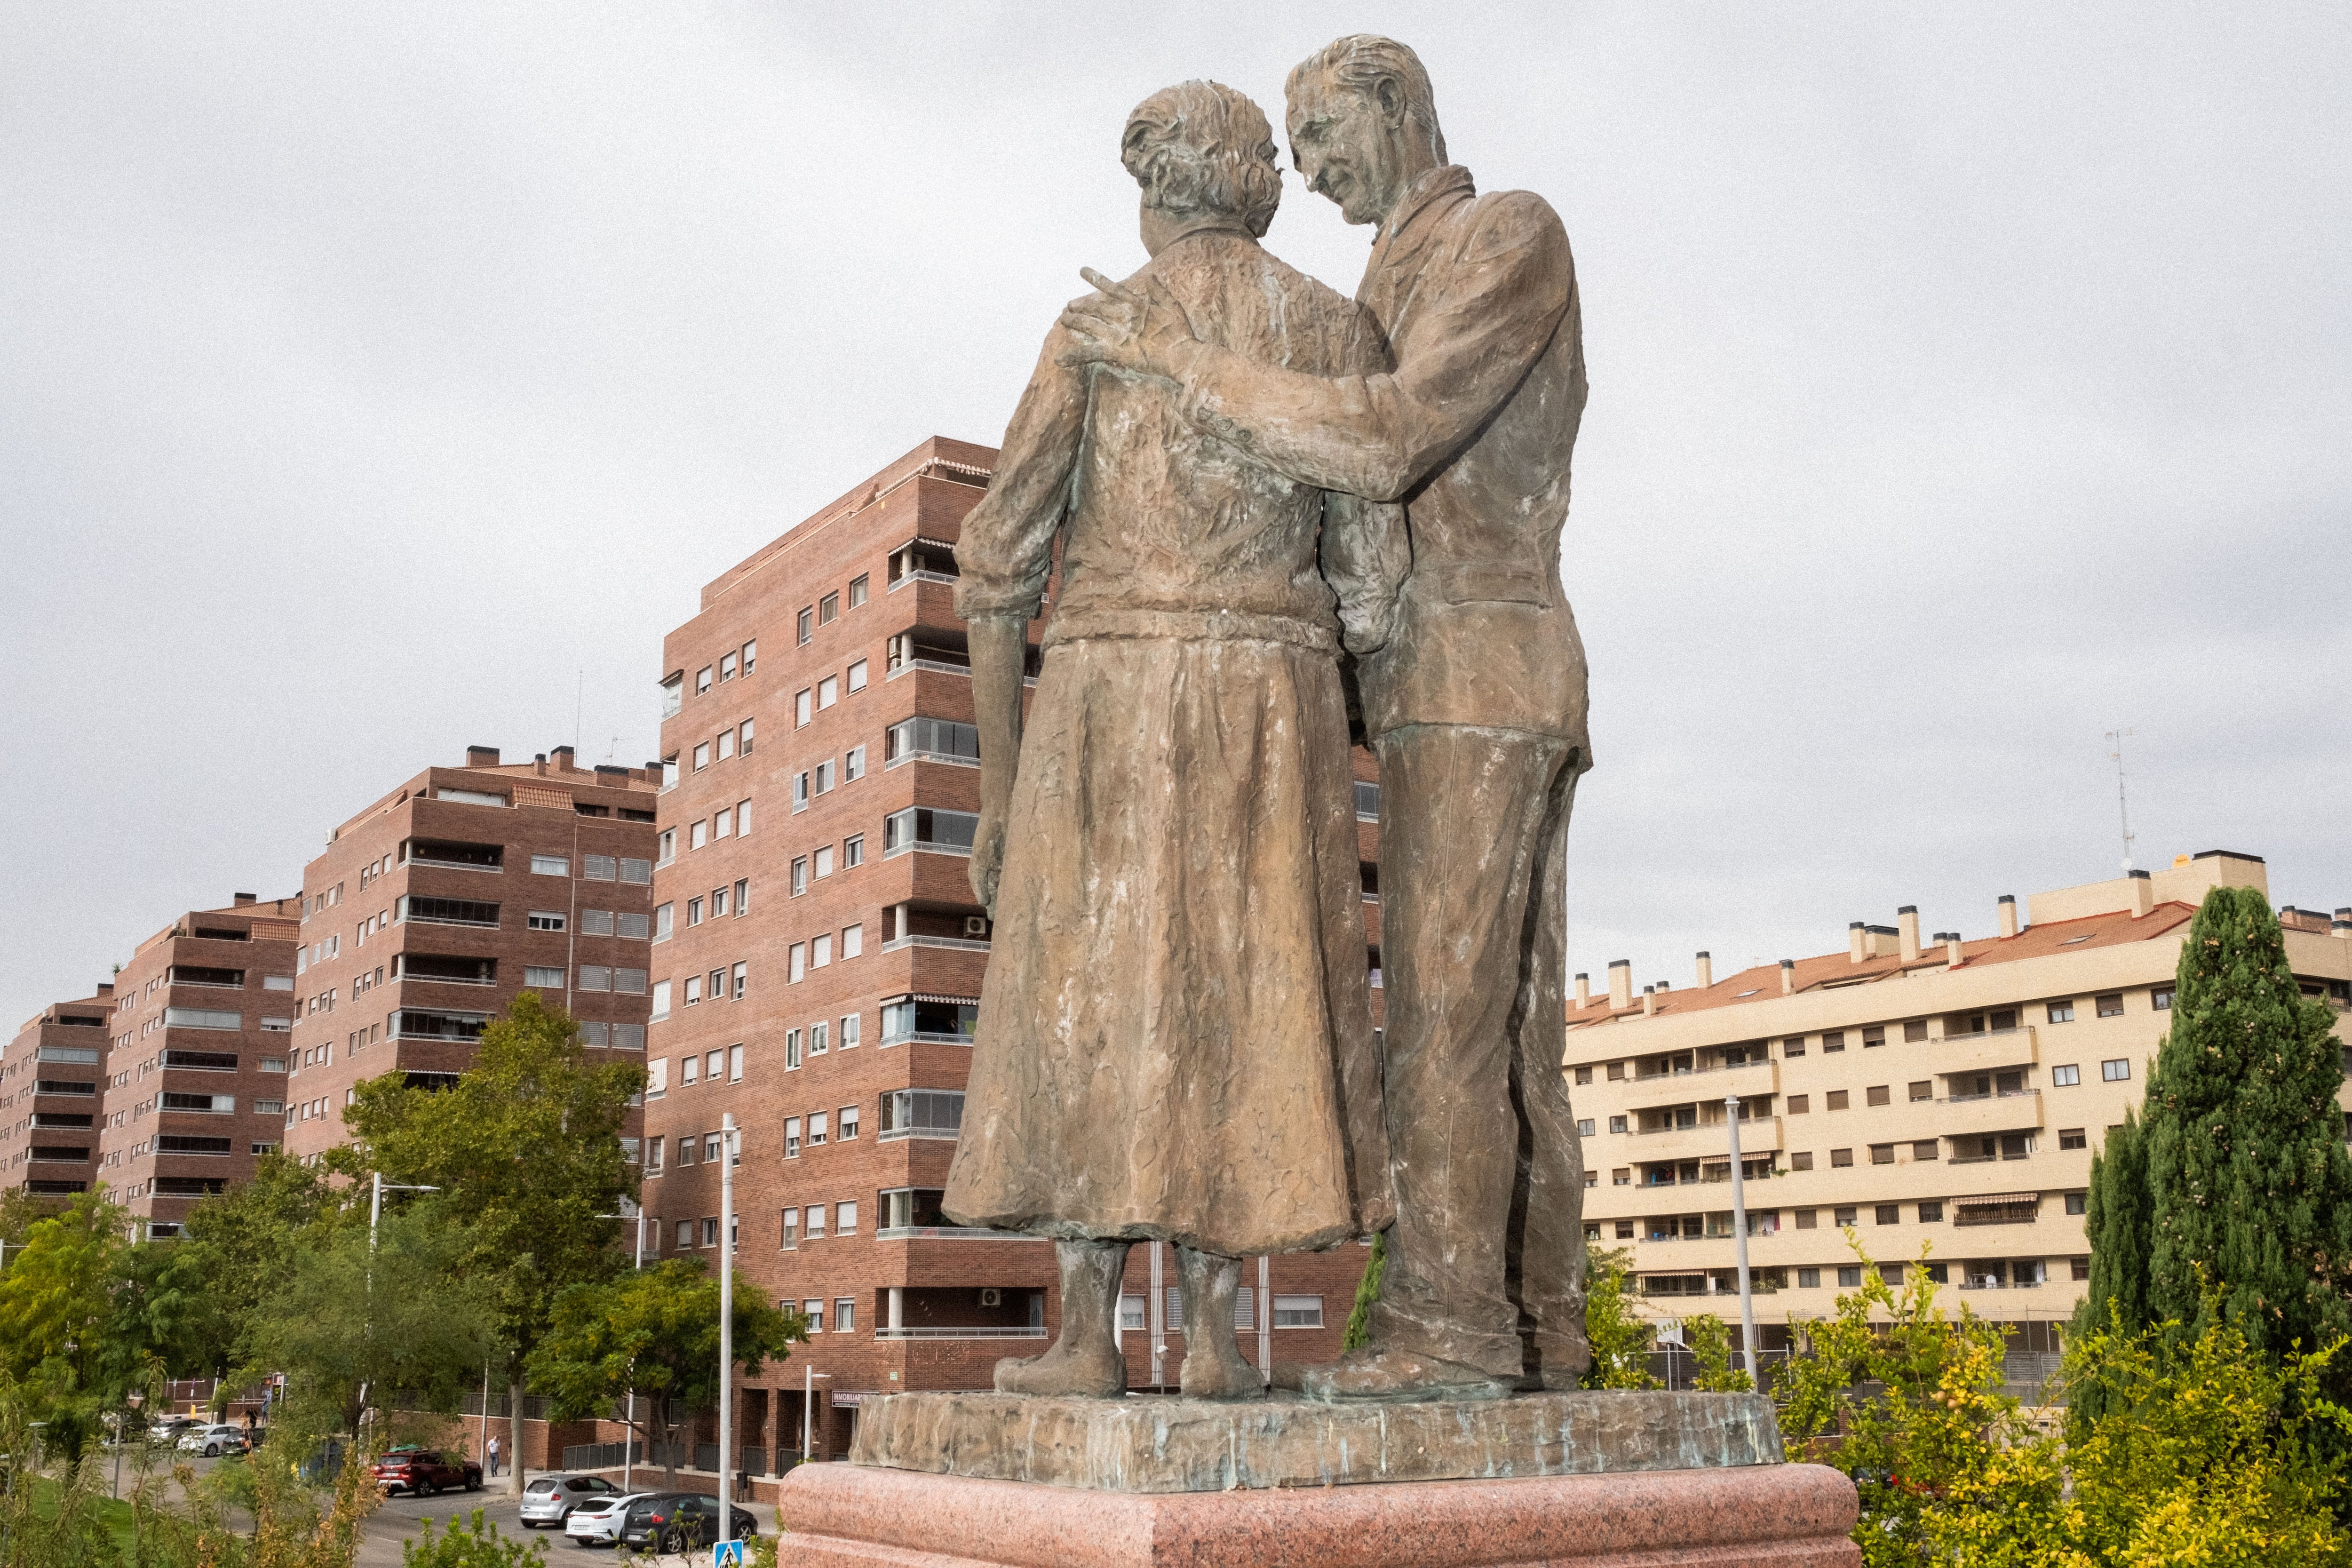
<point x="424" y="1471"/>
<point x="549" y="1500"/>
<point x="680" y="1521"/>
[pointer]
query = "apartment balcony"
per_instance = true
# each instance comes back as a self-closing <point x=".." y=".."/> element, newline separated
<point x="1757" y="1135"/>
<point x="1651" y="1091"/>
<point x="1978" y="1053"/>
<point x="2019" y="1111"/>
<point x="977" y="1333"/>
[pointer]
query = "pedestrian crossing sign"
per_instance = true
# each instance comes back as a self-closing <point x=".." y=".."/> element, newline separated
<point x="728" y="1554"/>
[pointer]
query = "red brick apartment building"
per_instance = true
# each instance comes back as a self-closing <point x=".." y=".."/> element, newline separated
<point x="53" y="1095"/>
<point x="817" y="969"/>
<point x="195" y="1074"/>
<point x="435" y="906"/>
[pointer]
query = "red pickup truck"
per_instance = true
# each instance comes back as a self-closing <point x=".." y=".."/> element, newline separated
<point x="425" y="1472"/>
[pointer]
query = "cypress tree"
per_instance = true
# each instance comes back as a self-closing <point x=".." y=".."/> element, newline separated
<point x="2245" y="1151"/>
<point x="2119" y="1224"/>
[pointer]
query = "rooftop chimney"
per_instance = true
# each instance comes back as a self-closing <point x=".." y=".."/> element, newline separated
<point x="1621" y="984"/>
<point x="1788" y="977"/>
<point x="2143" y="892"/>
<point x="106" y="988"/>
<point x="539" y="763"/>
<point x="481" y="756"/>
<point x="1906" y="925"/>
<point x="562" y="757"/>
<point x="1649" y="1000"/>
<point x="241" y="900"/>
<point x="2008" y="910"/>
<point x="1705" y="970"/>
<point x="1583" y="992"/>
<point x="2342" y="924"/>
<point x="1858" y="941"/>
<point x="1951" y="941"/>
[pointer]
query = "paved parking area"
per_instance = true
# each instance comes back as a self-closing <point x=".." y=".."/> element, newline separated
<point x="402" y="1517"/>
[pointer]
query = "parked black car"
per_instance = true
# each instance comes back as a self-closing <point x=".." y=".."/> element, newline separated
<point x="680" y="1521"/>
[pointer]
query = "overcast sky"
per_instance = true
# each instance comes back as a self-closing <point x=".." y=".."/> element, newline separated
<point x="1967" y="381"/>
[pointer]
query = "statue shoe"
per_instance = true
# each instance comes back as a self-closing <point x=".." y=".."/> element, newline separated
<point x="1398" y="1377"/>
<point x="1065" y="1370"/>
<point x="1208" y="1375"/>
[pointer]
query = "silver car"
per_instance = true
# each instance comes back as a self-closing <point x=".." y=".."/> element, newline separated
<point x="549" y="1500"/>
<point x="597" y="1520"/>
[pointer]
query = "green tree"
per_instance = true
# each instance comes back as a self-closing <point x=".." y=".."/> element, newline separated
<point x="1912" y="1408"/>
<point x="2119" y="1224"/>
<point x="655" y="1331"/>
<point x="1368" y="1291"/>
<point x="241" y="1244"/>
<point x="470" y="1544"/>
<point x="1710" y="1343"/>
<point x="57" y="1299"/>
<point x="2207" y="1451"/>
<point x="2249" y="1179"/>
<point x="350" y="1327"/>
<point x="1620" y="1339"/>
<point x="527" y="1150"/>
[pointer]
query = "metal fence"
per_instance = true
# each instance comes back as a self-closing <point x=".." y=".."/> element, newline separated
<point x="613" y="1456"/>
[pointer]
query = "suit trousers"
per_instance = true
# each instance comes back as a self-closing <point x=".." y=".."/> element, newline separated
<point x="1485" y="1264"/>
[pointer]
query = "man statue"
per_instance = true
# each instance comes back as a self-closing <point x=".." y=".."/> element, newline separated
<point x="1477" y="706"/>
<point x="1175" y="1038"/>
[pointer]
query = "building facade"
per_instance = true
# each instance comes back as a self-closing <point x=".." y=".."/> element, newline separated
<point x="818" y="962"/>
<point x="433" y="908"/>
<point x="1946" y="1095"/>
<point x="53" y="1099"/>
<point x="198" y="1058"/>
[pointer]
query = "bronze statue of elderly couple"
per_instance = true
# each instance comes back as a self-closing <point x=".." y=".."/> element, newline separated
<point x="1257" y="494"/>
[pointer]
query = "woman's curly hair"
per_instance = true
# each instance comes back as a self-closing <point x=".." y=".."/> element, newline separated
<point x="1199" y="147"/>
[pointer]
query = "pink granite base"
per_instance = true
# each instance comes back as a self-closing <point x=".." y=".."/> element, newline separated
<point x="1755" y="1516"/>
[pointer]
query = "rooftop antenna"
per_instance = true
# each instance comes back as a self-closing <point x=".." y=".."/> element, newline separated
<point x="2123" y="801"/>
<point x="579" y="697"/>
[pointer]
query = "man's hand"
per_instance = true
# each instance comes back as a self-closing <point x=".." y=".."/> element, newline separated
<point x="1123" y="329"/>
<point x="987" y="861"/>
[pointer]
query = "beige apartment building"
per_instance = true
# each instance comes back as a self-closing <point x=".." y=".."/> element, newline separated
<point x="1944" y="1093"/>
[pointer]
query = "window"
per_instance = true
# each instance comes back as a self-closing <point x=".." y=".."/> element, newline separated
<point x="921" y="1113"/>
<point x="551" y="866"/>
<point x="1298" y="1312"/>
<point x="2061" y="1012"/>
<point x="689" y="1071"/>
<point x="820" y="1039"/>
<point x="2076" y="1202"/>
<point x="743" y="737"/>
<point x="853" y="851"/>
<point x="543" y="976"/>
<point x="2116" y="1071"/>
<point x="1809" y="1219"/>
<point x="1914" y="1031"/>
<point x="1889" y="1214"/>
<point x="701" y="756"/>
<point x="726" y="668"/>
<point x="1879" y="1094"/>
<point x="798" y="962"/>
<point x="823" y="861"/>
<point x="743" y="975"/>
<point x="2073" y="1138"/>
<point x="805" y="624"/>
<point x="799" y="876"/>
<point x="1836" y="1099"/>
<point x="815" y="1217"/>
<point x="930" y="740"/>
<point x="1809" y="1280"/>
<point x="2161" y="998"/>
<point x="801" y="790"/>
<point x="1840" y="1158"/>
<point x="2111" y="1005"/>
<point x="2065" y="1076"/>
<point x="1800" y="1161"/>
<point x="661" y="999"/>
<point x="844" y="1219"/>
<point x="853" y="764"/>
<point x="693" y="989"/>
<point x="821" y="952"/>
<point x="1832" y="1040"/>
<point x="1931" y="1212"/>
<point x="1846" y="1217"/>
<point x="2080" y="1268"/>
<point x="1794" y="1045"/>
<point x="791" y="1228"/>
<point x="1926" y="1149"/>
<point x="1616" y="1124"/>
<point x="711" y="1230"/>
<point x="595" y="922"/>
<point x="1850" y="1277"/>
<point x="702" y="680"/>
<point x="792" y="1137"/>
<point x="673" y="696"/>
<point x="722" y="824"/>
<point x="792" y="1049"/>
<point x="936" y="832"/>
<point x="1872" y="1037"/>
<point x="1882" y="1153"/>
<point x="846" y="1124"/>
<point x="828" y="609"/>
<point x="599" y="867"/>
<point x="663" y="914"/>
<point x="669" y="845"/>
<point x="743" y="895"/>
<point x="686" y="1233"/>
<point x="857" y="591"/>
<point x="1922" y="1089"/>
<point x="855" y="675"/>
<point x="699" y="835"/>
<point x="803" y="710"/>
<point x="1584" y="1075"/>
<point x="845" y="1307"/>
<point x="726" y="744"/>
<point x="750" y="655"/>
<point x="1586" y="1128"/>
<point x="824" y="776"/>
<point x="828" y="692"/>
<point x="1800" y="1105"/>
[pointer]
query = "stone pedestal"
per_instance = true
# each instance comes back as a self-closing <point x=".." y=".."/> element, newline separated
<point x="1755" y="1516"/>
<point x="1598" y="1481"/>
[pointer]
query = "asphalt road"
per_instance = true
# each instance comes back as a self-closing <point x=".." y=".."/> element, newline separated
<point x="402" y="1519"/>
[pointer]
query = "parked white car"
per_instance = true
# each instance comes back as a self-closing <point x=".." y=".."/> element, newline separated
<point x="597" y="1520"/>
<point x="214" y="1441"/>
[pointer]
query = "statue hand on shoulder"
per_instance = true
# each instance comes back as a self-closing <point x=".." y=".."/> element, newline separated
<point x="1126" y="330"/>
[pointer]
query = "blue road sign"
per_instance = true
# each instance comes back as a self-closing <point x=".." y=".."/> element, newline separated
<point x="728" y="1554"/>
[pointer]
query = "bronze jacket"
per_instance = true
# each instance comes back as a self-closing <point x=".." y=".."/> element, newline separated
<point x="1473" y="431"/>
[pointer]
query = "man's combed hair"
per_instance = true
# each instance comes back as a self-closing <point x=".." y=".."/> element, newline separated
<point x="1361" y="61"/>
<point x="1199" y="147"/>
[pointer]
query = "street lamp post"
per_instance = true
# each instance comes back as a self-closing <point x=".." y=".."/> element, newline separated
<point x="809" y="1375"/>
<point x="628" y="1426"/>
<point x="1739" y="1236"/>
<point x="378" y="1186"/>
<point x="726" y="1323"/>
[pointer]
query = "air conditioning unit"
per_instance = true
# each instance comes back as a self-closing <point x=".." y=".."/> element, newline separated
<point x="990" y="1296"/>
<point x="975" y="925"/>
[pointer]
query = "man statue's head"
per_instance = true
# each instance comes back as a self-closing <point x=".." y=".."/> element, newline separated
<point x="1363" y="126"/>
<point x="1204" y="156"/>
